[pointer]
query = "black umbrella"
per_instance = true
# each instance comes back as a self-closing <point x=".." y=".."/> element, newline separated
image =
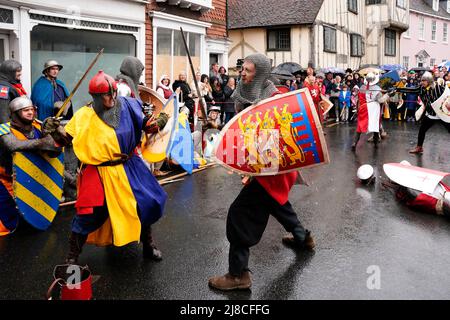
<point x="282" y="74"/>
<point x="420" y="69"/>
<point x="291" y="67"/>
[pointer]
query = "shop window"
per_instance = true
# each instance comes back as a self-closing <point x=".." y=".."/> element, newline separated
<point x="75" y="49"/>
<point x="171" y="57"/>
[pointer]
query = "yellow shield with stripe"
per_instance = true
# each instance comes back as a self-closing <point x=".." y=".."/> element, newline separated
<point x="38" y="186"/>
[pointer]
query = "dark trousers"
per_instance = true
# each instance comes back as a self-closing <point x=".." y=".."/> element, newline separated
<point x="426" y="124"/>
<point x="394" y="111"/>
<point x="87" y="223"/>
<point x="228" y="116"/>
<point x="247" y="219"/>
<point x="376" y="137"/>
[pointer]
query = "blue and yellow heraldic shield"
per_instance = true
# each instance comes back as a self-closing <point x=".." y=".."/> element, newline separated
<point x="38" y="186"/>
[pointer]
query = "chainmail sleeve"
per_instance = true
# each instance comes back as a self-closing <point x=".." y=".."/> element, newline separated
<point x="12" y="144"/>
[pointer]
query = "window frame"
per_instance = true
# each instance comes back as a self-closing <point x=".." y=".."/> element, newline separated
<point x="433" y="30"/>
<point x="400" y="4"/>
<point x="405" y="65"/>
<point x="432" y="62"/>
<point x="372" y="2"/>
<point x="361" y="51"/>
<point x="386" y="38"/>
<point x="421" y="26"/>
<point x="445" y="33"/>
<point x="436" y="5"/>
<point x="277" y="46"/>
<point x="325" y="48"/>
<point x="351" y="8"/>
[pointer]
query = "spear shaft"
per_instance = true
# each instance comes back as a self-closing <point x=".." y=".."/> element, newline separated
<point x="66" y="102"/>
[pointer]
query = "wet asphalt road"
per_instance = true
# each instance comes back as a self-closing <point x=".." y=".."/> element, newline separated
<point x="354" y="227"/>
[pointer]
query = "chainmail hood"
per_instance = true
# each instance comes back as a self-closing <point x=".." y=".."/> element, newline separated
<point x="8" y="71"/>
<point x="110" y="116"/>
<point x="260" y="88"/>
<point x="131" y="71"/>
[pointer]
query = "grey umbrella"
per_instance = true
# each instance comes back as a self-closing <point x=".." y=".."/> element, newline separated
<point x="282" y="74"/>
<point x="291" y="67"/>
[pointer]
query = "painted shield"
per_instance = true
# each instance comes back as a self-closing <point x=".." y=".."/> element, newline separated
<point x="325" y="104"/>
<point x="38" y="187"/>
<point x="442" y="106"/>
<point x="155" y="147"/>
<point x="151" y="97"/>
<point x="278" y="135"/>
<point x="417" y="178"/>
<point x="283" y="89"/>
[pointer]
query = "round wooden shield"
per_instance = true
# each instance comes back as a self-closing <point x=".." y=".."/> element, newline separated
<point x="151" y="97"/>
<point x="155" y="146"/>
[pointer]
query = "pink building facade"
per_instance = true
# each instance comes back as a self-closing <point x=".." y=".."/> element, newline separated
<point x="426" y="43"/>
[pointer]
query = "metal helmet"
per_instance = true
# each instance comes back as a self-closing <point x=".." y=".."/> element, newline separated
<point x="20" y="103"/>
<point x="366" y="173"/>
<point x="102" y="83"/>
<point x="370" y="77"/>
<point x="214" y="108"/>
<point x="51" y="63"/>
<point x="427" y="76"/>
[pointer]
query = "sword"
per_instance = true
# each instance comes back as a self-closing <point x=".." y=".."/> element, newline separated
<point x="66" y="102"/>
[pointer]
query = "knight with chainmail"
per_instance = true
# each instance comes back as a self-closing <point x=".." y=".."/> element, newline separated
<point x="23" y="133"/>
<point x="118" y="197"/>
<point x="10" y="86"/>
<point x="128" y="79"/>
<point x="262" y="196"/>
<point x="370" y="99"/>
<point x="429" y="91"/>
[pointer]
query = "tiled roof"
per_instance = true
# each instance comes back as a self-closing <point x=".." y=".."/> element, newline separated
<point x="426" y="6"/>
<point x="265" y="13"/>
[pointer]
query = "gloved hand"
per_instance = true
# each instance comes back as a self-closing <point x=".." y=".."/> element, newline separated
<point x="154" y="125"/>
<point x="391" y="92"/>
<point x="50" y="125"/>
<point x="48" y="144"/>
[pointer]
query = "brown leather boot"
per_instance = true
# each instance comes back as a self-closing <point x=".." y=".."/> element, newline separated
<point x="229" y="282"/>
<point x="416" y="150"/>
<point x="76" y="242"/>
<point x="150" y="251"/>
<point x="308" y="244"/>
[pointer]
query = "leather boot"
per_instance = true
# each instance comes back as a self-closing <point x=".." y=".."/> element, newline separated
<point x="307" y="244"/>
<point x="149" y="249"/>
<point x="229" y="282"/>
<point x="416" y="150"/>
<point x="76" y="243"/>
<point x="376" y="140"/>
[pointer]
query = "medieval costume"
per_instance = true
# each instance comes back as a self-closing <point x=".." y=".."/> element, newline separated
<point x="428" y="92"/>
<point x="47" y="91"/>
<point x="10" y="87"/>
<point x="21" y="134"/>
<point x="262" y="196"/>
<point x="118" y="197"/>
<point x="164" y="89"/>
<point x="369" y="109"/>
<point x="315" y="92"/>
<point x="128" y="80"/>
<point x="420" y="189"/>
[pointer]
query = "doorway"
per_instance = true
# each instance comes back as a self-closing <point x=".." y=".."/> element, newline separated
<point x="4" y="47"/>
